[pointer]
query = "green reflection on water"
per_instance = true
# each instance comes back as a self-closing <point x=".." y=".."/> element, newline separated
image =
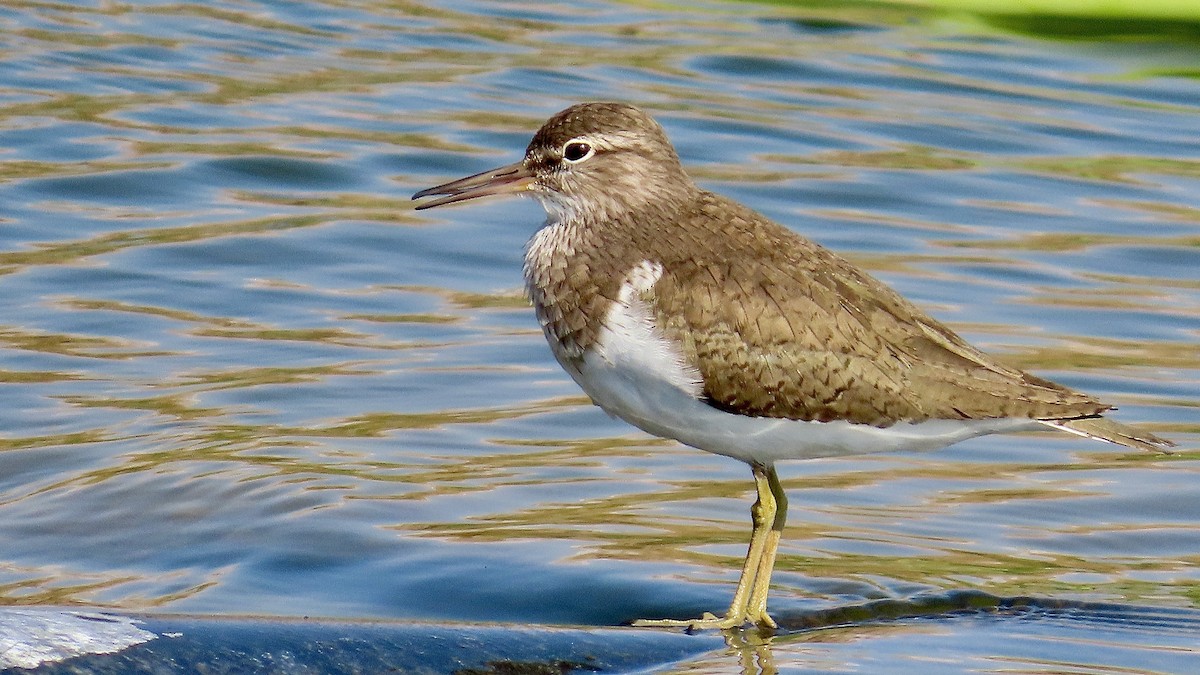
<point x="62" y="588"/>
<point x="60" y="253"/>
<point x="237" y="378"/>
<point x="17" y="170"/>
<point x="1114" y="168"/>
<point x="633" y="527"/>
<point x="1075" y="241"/>
<point x="56" y="440"/>
<point x="908" y="157"/>
<point x="74" y="345"/>
<point x="37" y="376"/>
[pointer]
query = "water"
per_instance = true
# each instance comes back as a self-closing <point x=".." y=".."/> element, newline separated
<point x="242" y="376"/>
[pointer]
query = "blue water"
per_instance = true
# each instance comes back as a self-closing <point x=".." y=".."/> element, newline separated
<point x="241" y="376"/>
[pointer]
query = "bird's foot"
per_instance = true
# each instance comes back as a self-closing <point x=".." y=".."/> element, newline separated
<point x="710" y="621"/>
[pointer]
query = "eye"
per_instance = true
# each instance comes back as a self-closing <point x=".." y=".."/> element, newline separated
<point x="577" y="151"/>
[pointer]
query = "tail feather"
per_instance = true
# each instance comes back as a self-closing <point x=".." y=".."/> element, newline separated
<point x="1104" y="429"/>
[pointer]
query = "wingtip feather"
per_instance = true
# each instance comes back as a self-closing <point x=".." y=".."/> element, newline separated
<point x="1104" y="429"/>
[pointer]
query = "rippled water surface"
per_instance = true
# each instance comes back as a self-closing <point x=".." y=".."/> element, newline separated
<point x="242" y="376"/>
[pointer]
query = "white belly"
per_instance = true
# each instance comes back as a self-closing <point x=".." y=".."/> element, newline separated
<point x="635" y="393"/>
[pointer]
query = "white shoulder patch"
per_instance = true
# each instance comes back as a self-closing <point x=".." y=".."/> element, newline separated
<point x="632" y="345"/>
<point x="640" y="280"/>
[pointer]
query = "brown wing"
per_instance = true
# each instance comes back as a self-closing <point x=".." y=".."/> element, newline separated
<point x="781" y="327"/>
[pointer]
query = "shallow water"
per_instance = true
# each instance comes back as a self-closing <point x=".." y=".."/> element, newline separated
<point x="242" y="376"/>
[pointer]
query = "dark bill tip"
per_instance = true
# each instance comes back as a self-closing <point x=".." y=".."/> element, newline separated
<point x="505" y="180"/>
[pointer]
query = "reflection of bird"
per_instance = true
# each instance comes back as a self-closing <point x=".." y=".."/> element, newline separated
<point x="694" y="318"/>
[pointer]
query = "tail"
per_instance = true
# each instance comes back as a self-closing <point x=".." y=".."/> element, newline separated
<point x="1104" y="429"/>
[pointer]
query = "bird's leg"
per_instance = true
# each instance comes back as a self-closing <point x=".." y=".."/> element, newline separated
<point x="762" y="513"/>
<point x="756" y="608"/>
<point x="763" y="516"/>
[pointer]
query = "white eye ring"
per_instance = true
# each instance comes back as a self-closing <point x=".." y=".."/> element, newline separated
<point x="575" y="151"/>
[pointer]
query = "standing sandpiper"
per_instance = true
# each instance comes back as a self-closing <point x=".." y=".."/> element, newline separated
<point x="692" y="317"/>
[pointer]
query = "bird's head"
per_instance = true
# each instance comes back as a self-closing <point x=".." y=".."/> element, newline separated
<point x="590" y="161"/>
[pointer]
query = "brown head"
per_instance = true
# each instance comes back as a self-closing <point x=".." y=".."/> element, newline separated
<point x="590" y="161"/>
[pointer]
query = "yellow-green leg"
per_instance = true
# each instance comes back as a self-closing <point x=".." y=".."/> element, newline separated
<point x="750" y="598"/>
<point x="756" y="608"/>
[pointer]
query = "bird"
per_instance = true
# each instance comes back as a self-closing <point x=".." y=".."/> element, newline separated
<point x="695" y="318"/>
